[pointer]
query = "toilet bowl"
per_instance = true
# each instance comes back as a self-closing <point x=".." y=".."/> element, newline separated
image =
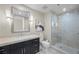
<point x="45" y="44"/>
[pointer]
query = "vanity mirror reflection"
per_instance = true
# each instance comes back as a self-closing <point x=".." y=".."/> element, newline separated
<point x="20" y="21"/>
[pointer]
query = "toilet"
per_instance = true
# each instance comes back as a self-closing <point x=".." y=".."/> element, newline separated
<point x="44" y="44"/>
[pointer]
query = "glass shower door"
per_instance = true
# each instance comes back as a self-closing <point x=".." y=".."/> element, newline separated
<point x="55" y="30"/>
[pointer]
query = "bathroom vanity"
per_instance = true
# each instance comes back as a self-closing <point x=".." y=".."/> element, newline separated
<point x="20" y="46"/>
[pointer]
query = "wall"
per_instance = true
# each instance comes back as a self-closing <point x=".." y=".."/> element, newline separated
<point x="5" y="23"/>
<point x="70" y="28"/>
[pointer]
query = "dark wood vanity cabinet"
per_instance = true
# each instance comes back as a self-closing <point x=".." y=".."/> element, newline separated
<point x="26" y="47"/>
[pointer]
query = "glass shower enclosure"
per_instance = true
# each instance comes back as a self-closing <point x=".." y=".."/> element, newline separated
<point x="65" y="32"/>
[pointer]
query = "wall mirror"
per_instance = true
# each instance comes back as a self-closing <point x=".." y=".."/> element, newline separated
<point x="20" y="21"/>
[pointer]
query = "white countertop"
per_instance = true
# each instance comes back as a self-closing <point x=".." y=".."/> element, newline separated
<point x="12" y="40"/>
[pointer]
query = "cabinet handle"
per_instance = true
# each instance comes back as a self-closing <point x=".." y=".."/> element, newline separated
<point x="35" y="50"/>
<point x="36" y="40"/>
<point x="2" y="49"/>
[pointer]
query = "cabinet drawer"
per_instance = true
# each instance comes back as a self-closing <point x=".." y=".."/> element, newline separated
<point x="34" y="50"/>
<point x="36" y="40"/>
<point x="19" y="45"/>
<point x="35" y="46"/>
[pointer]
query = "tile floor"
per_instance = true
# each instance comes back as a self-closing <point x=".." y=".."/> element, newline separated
<point x="49" y="50"/>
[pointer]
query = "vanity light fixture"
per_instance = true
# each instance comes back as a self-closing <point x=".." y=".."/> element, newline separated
<point x="31" y="19"/>
<point x="64" y="9"/>
<point x="9" y="21"/>
<point x="58" y="4"/>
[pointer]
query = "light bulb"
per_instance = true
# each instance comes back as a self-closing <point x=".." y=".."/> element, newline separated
<point x="64" y="9"/>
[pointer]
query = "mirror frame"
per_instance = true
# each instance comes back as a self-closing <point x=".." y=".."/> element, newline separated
<point x="14" y="15"/>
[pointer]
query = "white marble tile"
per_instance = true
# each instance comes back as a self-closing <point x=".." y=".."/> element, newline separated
<point x="49" y="50"/>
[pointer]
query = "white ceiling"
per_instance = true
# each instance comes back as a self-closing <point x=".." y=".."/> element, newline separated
<point x="56" y="8"/>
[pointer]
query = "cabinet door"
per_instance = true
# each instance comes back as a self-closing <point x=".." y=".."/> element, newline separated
<point x="27" y="47"/>
<point x="4" y="50"/>
<point x="16" y="51"/>
<point x="35" y="46"/>
<point x="21" y="48"/>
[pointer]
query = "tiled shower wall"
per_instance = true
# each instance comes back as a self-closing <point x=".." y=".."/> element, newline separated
<point x="70" y="28"/>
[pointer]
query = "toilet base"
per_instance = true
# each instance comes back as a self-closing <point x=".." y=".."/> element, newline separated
<point x="44" y="44"/>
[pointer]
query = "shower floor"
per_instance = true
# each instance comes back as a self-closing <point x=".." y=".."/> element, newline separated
<point x="67" y="49"/>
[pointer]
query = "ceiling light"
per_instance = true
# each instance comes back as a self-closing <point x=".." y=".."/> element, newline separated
<point x="64" y="9"/>
<point x="44" y="7"/>
<point x="58" y="4"/>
